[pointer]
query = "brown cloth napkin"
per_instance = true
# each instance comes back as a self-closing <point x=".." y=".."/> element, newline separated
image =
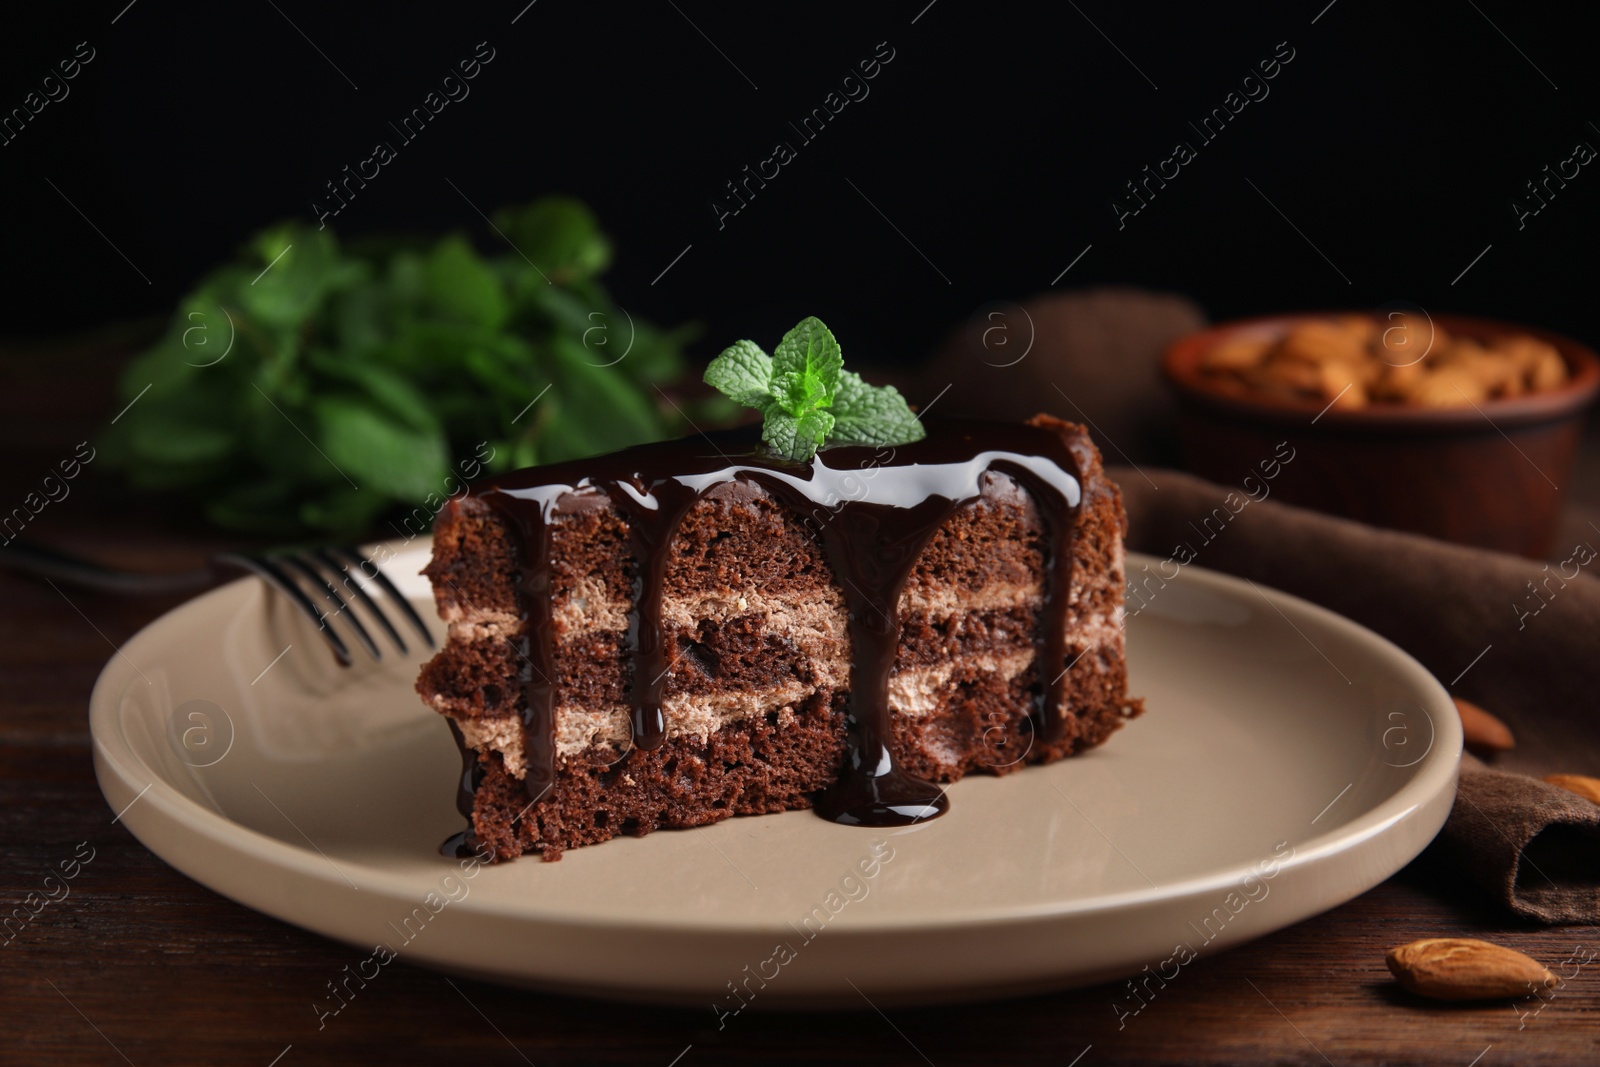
<point x="1462" y="613"/>
<point x="1514" y="636"/>
<point x="1533" y="846"/>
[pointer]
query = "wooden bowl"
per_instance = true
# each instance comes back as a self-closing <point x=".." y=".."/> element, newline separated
<point x="1490" y="476"/>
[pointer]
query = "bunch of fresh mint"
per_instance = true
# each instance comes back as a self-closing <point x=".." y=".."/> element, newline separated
<point x="310" y="388"/>
<point x="807" y="398"/>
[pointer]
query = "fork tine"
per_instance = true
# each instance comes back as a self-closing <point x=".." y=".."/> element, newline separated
<point x="269" y="572"/>
<point x="301" y="564"/>
<point x="377" y="575"/>
<point x="332" y="562"/>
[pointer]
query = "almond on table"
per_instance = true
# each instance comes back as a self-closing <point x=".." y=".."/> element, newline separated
<point x="1482" y="732"/>
<point x="1464" y="968"/>
<point x="1584" y="786"/>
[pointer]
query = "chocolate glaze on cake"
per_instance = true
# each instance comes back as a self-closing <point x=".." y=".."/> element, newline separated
<point x="871" y="537"/>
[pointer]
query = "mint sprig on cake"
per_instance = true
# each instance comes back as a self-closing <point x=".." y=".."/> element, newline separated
<point x="807" y="398"/>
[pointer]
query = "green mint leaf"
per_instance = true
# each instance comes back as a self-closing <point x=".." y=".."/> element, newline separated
<point x="807" y="362"/>
<point x="798" y="392"/>
<point x="289" y="272"/>
<point x="591" y="409"/>
<point x="781" y="432"/>
<point x="391" y="390"/>
<point x="462" y="287"/>
<point x="560" y="236"/>
<point x="872" y="415"/>
<point x="742" y="373"/>
<point x="380" y="453"/>
<point x="792" y="437"/>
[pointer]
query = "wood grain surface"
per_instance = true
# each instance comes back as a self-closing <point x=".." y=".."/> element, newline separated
<point x="137" y="964"/>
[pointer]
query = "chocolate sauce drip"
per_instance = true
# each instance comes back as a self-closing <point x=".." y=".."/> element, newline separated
<point x="465" y="843"/>
<point x="872" y="549"/>
<point x="1050" y="641"/>
<point x="873" y="509"/>
<point x="529" y="518"/>
<point x="652" y="520"/>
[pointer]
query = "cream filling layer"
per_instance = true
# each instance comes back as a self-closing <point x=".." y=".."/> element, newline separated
<point x="913" y="693"/>
<point x="588" y="609"/>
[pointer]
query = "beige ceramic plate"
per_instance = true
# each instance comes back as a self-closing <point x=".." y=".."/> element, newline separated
<point x="1289" y="760"/>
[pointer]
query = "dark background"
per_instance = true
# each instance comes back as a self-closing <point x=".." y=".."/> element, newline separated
<point x="995" y="141"/>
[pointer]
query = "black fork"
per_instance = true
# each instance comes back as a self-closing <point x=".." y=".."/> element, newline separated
<point x="326" y="571"/>
<point x="330" y="576"/>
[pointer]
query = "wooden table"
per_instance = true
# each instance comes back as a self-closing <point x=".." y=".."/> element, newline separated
<point x="139" y="964"/>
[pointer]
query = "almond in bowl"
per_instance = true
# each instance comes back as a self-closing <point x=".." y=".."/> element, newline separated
<point x="1352" y="361"/>
<point x="1458" y="428"/>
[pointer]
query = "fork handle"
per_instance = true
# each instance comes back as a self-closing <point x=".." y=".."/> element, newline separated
<point x="29" y="557"/>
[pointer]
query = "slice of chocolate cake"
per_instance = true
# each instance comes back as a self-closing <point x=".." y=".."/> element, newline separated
<point x="677" y="633"/>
